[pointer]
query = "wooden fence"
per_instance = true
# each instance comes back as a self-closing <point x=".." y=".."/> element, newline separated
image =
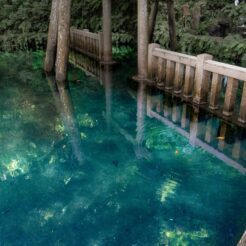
<point x="87" y="43"/>
<point x="200" y="79"/>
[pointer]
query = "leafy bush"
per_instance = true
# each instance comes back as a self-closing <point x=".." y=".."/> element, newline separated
<point x="236" y="13"/>
<point x="122" y="52"/>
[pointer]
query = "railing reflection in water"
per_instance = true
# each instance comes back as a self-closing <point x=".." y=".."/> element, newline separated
<point x="221" y="139"/>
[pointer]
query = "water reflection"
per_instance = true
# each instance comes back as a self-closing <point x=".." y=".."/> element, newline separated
<point x="64" y="105"/>
<point x="106" y="72"/>
<point x="223" y="140"/>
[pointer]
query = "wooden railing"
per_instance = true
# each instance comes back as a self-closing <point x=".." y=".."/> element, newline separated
<point x="200" y="79"/>
<point x="86" y="42"/>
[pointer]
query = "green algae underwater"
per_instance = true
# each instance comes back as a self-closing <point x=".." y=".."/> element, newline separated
<point x="88" y="166"/>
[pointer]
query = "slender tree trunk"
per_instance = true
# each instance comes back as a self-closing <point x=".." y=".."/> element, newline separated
<point x="152" y="19"/>
<point x="107" y="31"/>
<point x="50" y="57"/>
<point x="63" y="40"/>
<point x="143" y="39"/>
<point x="171" y="24"/>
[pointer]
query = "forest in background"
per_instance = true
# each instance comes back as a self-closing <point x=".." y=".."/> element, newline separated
<point x="206" y="26"/>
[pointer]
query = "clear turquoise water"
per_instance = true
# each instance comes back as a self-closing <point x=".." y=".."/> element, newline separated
<point x="108" y="163"/>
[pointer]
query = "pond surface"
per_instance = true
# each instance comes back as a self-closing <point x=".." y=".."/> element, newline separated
<point x="113" y="162"/>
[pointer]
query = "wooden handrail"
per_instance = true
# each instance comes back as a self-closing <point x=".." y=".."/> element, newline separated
<point x="175" y="57"/>
<point x="226" y="69"/>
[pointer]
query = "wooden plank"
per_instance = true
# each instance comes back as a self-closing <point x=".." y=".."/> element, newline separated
<point x="201" y="84"/>
<point x="161" y="72"/>
<point x="230" y="96"/>
<point x="175" y="57"/>
<point x="100" y="45"/>
<point x="189" y="81"/>
<point x="151" y="58"/>
<point x="226" y="69"/>
<point x="215" y="91"/>
<point x="170" y="71"/>
<point x="179" y="78"/>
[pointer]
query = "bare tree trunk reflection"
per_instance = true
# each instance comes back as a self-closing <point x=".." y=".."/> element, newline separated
<point x="64" y="105"/>
<point x="107" y="81"/>
<point x="141" y="112"/>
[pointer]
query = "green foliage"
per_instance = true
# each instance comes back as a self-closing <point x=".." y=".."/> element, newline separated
<point x="88" y="14"/>
<point x="231" y="49"/>
<point x="23" y="25"/>
<point x="122" y="52"/>
<point x="236" y="13"/>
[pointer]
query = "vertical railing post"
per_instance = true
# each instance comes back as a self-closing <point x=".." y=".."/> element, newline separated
<point x="201" y="80"/>
<point x="151" y="63"/>
<point x="161" y="72"/>
<point x="189" y="80"/>
<point x="242" y="112"/>
<point x="100" y="46"/>
<point x="215" y="91"/>
<point x="72" y="37"/>
<point x="142" y="39"/>
<point x="179" y="77"/>
<point x="107" y="31"/>
<point x="230" y="96"/>
<point x="170" y="73"/>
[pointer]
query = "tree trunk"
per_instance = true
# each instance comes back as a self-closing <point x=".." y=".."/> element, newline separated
<point x="196" y="16"/>
<point x="63" y="40"/>
<point x="152" y="19"/>
<point x="50" y="57"/>
<point x="143" y="39"/>
<point x="107" y="31"/>
<point x="171" y="24"/>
